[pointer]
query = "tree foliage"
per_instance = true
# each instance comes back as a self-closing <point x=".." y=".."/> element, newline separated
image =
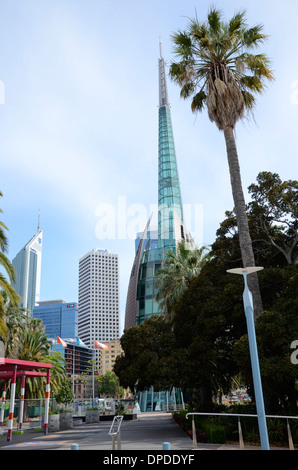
<point x="6" y="278"/>
<point x="205" y="345"/>
<point x="108" y="384"/>
<point x="176" y="273"/>
<point x="150" y="356"/>
<point x="26" y="340"/>
<point x="272" y="217"/>
<point x="216" y="66"/>
<point x="276" y="329"/>
<point x="274" y="208"/>
<point x="65" y="395"/>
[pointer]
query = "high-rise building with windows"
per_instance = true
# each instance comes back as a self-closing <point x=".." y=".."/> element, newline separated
<point x="27" y="264"/>
<point x="109" y="356"/>
<point x="59" y="317"/>
<point x="99" y="303"/>
<point x="150" y="252"/>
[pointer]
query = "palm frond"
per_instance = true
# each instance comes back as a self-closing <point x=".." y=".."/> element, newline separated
<point x="187" y="90"/>
<point x="252" y="83"/>
<point x="253" y="37"/>
<point x="3" y="239"/>
<point x="3" y="328"/>
<point x="237" y="22"/>
<point x="214" y="19"/>
<point x="182" y="43"/>
<point x="176" y="273"/>
<point x="199" y="101"/>
<point x="218" y="53"/>
<point x="8" y="289"/>
<point x="8" y="266"/>
<point x="249" y="99"/>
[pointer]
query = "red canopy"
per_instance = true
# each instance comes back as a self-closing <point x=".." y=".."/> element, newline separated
<point x="7" y="365"/>
<point x="26" y="373"/>
<point x="14" y="368"/>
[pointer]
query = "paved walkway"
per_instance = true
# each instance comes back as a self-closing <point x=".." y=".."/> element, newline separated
<point x="147" y="433"/>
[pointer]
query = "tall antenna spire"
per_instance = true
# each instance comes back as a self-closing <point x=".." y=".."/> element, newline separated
<point x="163" y="90"/>
<point x="38" y="224"/>
<point x="160" y="51"/>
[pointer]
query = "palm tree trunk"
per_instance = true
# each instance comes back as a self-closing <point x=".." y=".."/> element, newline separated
<point x="247" y="254"/>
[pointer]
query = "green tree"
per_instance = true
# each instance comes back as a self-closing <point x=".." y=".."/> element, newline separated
<point x="34" y="345"/>
<point x="150" y="356"/>
<point x="273" y="223"/>
<point x="274" y="208"/>
<point x="209" y="326"/>
<point x="108" y="384"/>
<point x="65" y="394"/>
<point x="177" y="272"/>
<point x="207" y="321"/>
<point x="276" y="329"/>
<point x="26" y="340"/>
<point x="15" y="319"/>
<point x="216" y="67"/>
<point x="5" y="284"/>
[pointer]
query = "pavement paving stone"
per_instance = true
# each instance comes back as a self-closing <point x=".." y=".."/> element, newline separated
<point x="147" y="433"/>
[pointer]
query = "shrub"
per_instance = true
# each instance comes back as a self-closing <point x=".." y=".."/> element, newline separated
<point x="277" y="431"/>
<point x="216" y="433"/>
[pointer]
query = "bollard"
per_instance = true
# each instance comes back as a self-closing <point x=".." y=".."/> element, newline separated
<point x="74" y="446"/>
<point x="166" y="446"/>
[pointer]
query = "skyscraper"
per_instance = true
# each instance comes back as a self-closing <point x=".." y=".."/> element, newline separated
<point x="99" y="311"/>
<point x="27" y="264"/>
<point x="59" y="317"/>
<point x="141" y="303"/>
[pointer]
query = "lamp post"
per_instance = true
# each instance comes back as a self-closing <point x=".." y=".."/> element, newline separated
<point x="249" y="313"/>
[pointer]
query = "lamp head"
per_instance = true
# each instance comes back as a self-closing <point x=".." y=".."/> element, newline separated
<point x="248" y="270"/>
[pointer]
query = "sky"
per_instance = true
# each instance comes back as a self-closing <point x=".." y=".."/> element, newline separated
<point x="79" y="126"/>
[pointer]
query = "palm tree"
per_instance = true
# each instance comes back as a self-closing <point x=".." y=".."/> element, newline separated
<point x="15" y="319"/>
<point x="34" y="346"/>
<point x="5" y="284"/>
<point x="216" y="67"/>
<point x="177" y="272"/>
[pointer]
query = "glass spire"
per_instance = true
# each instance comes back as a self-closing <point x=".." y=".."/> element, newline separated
<point x="170" y="215"/>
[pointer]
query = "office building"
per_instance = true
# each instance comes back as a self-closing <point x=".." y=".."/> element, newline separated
<point x="78" y="361"/>
<point x="59" y="317"/>
<point x="99" y="303"/>
<point x="108" y="356"/>
<point x="27" y="264"/>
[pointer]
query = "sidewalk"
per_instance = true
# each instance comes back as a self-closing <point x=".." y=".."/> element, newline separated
<point x="147" y="433"/>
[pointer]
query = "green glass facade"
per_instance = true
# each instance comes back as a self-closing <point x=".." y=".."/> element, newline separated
<point x="146" y="291"/>
<point x="169" y="197"/>
<point x="141" y="303"/>
<point x="170" y="214"/>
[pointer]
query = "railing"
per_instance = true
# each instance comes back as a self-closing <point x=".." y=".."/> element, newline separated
<point x="115" y="431"/>
<point x="241" y="442"/>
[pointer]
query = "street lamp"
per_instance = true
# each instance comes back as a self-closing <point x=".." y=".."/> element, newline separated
<point x="249" y="313"/>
